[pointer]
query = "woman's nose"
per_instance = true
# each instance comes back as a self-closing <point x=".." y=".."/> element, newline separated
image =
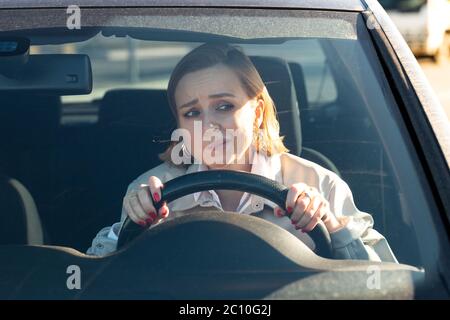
<point x="208" y="123"/>
<point x="211" y="125"/>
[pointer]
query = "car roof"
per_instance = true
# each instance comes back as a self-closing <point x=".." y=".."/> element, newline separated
<point x="348" y="5"/>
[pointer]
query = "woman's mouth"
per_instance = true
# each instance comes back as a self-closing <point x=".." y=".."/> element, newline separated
<point x="217" y="144"/>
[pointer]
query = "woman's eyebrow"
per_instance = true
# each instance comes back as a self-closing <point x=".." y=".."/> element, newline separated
<point x="213" y="96"/>
<point x="188" y="104"/>
<point x="221" y="95"/>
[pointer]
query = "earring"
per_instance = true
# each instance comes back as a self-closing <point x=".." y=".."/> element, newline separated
<point x="255" y="136"/>
<point x="258" y="139"/>
<point x="262" y="142"/>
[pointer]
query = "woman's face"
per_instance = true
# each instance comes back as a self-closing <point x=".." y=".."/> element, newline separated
<point x="218" y="116"/>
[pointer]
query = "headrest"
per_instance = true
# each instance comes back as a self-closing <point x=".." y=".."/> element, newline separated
<point x="137" y="109"/>
<point x="276" y="75"/>
<point x="298" y="76"/>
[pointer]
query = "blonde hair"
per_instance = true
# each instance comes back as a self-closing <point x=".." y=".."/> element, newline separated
<point x="209" y="55"/>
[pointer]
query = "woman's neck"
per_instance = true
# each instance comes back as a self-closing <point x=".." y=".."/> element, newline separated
<point x="244" y="164"/>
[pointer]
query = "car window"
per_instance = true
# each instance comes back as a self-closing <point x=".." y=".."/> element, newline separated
<point x="78" y="169"/>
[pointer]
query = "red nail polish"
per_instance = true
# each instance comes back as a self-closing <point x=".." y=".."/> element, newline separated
<point x="156" y="197"/>
<point x="289" y="209"/>
<point x="142" y="223"/>
<point x="149" y="220"/>
<point x="279" y="213"/>
<point x="153" y="215"/>
<point x="293" y="222"/>
<point x="163" y="212"/>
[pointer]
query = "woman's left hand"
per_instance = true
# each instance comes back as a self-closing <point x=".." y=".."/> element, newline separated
<point x="307" y="207"/>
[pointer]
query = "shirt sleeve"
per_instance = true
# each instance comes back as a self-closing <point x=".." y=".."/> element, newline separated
<point x="105" y="241"/>
<point x="358" y="239"/>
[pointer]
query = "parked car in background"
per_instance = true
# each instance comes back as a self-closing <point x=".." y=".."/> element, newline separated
<point x="448" y="15"/>
<point x="423" y="24"/>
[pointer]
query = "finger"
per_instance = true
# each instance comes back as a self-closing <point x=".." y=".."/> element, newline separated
<point x="278" y="212"/>
<point x="294" y="192"/>
<point x="309" y="212"/>
<point x="137" y="208"/>
<point x="163" y="212"/>
<point x="300" y="208"/>
<point x="146" y="202"/>
<point x="318" y="215"/>
<point x="131" y="214"/>
<point x="155" y="186"/>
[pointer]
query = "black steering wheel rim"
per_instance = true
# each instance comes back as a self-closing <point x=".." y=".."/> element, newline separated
<point x="225" y="180"/>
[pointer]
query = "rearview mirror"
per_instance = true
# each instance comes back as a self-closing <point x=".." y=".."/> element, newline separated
<point x="60" y="74"/>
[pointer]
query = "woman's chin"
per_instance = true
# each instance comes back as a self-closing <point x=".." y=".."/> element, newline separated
<point x="222" y="160"/>
<point x="219" y="162"/>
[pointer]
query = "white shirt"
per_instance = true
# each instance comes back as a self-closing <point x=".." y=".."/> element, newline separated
<point x="358" y="240"/>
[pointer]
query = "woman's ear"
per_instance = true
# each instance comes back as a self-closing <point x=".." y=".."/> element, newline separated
<point x="259" y="111"/>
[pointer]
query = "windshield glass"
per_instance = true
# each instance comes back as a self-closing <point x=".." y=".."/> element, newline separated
<point x="77" y="155"/>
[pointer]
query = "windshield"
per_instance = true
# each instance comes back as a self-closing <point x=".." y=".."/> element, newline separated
<point x="78" y="154"/>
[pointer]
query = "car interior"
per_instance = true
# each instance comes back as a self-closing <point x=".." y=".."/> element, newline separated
<point x="61" y="184"/>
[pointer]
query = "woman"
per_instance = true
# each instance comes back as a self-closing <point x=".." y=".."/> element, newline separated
<point x="227" y="120"/>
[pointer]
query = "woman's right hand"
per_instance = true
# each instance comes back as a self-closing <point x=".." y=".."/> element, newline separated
<point x="139" y="206"/>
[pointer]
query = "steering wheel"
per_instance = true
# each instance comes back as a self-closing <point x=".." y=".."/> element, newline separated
<point x="225" y="180"/>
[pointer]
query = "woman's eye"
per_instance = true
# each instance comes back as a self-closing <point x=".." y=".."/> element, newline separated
<point x="225" y="107"/>
<point x="191" y="113"/>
